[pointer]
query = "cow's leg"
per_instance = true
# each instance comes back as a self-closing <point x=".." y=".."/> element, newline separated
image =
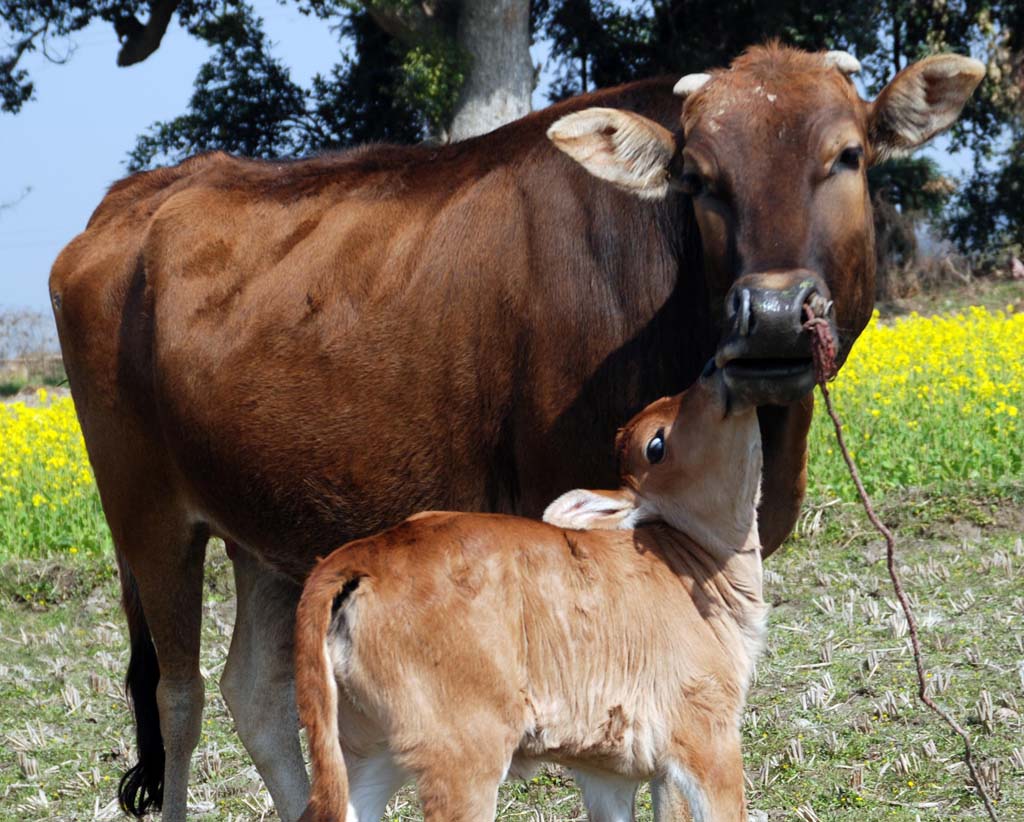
<point x="372" y="781"/>
<point x="670" y="804"/>
<point x="784" y="444"/>
<point x="258" y="683"/>
<point x="608" y="798"/>
<point x="165" y="557"/>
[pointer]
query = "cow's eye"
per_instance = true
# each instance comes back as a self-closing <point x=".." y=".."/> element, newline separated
<point x="691" y="183"/>
<point x="655" y="451"/>
<point x="849" y="159"/>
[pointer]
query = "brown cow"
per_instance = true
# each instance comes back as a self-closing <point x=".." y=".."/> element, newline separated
<point x="292" y="355"/>
<point x="454" y="647"/>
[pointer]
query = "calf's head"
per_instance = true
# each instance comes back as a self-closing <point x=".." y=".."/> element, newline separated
<point x="773" y="153"/>
<point x="692" y="461"/>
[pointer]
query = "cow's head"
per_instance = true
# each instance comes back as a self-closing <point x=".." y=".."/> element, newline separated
<point x="774" y="152"/>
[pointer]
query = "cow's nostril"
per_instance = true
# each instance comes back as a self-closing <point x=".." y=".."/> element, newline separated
<point x="746" y="321"/>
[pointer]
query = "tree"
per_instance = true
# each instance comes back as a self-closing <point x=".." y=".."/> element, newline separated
<point x="470" y="58"/>
<point x="463" y="65"/>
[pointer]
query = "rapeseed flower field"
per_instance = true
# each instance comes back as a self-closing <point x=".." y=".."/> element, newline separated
<point x="926" y="401"/>
<point x="48" y="499"/>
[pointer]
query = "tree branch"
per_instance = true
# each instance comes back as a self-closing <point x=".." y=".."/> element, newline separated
<point x="138" y="41"/>
<point x="414" y="24"/>
<point x="23" y="45"/>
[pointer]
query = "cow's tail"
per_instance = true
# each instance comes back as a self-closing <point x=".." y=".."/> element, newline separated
<point x="142" y="786"/>
<point x="325" y="593"/>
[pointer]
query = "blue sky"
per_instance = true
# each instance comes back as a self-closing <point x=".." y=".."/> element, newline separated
<point x="71" y="142"/>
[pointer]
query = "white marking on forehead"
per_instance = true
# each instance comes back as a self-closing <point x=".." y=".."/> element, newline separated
<point x="761" y="91"/>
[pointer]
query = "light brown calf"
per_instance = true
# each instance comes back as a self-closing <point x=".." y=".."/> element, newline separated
<point x="454" y="648"/>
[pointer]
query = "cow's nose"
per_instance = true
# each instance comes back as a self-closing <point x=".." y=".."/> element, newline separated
<point x="764" y="353"/>
<point x="770" y="306"/>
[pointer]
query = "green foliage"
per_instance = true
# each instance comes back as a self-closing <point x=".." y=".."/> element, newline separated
<point x="598" y="43"/>
<point x="357" y="101"/>
<point x="244" y="100"/>
<point x="431" y="78"/>
<point x="988" y="210"/>
<point x="914" y="184"/>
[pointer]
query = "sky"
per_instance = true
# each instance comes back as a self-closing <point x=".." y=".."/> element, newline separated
<point x="70" y="143"/>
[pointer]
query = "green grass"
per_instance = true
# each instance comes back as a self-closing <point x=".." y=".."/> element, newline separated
<point x="9" y="386"/>
<point x="821" y="733"/>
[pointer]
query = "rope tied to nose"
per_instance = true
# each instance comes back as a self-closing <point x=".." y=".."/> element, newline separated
<point x="823" y="346"/>
<point x="823" y="350"/>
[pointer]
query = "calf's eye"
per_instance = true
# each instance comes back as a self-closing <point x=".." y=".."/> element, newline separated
<point x="655" y="451"/>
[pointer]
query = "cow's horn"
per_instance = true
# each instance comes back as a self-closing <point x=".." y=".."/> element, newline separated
<point x="842" y="60"/>
<point x="690" y="83"/>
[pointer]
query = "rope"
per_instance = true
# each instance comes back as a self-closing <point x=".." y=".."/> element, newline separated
<point x="823" y="351"/>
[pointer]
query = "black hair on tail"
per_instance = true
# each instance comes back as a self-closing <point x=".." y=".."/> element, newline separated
<point x="142" y="786"/>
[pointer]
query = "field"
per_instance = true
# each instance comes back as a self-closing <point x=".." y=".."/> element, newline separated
<point x="933" y="407"/>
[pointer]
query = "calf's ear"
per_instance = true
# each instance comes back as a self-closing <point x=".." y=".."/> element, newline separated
<point x="922" y="100"/>
<point x="584" y="510"/>
<point x="629" y="151"/>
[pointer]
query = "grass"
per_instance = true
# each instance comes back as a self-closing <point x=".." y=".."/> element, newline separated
<point x="11" y="386"/>
<point x="832" y="729"/>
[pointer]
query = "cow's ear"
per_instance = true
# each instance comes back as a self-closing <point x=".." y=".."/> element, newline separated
<point x="584" y="510"/>
<point x="629" y="151"/>
<point x="922" y="100"/>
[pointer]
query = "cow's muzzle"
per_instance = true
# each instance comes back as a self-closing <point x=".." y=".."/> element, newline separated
<point x="765" y="355"/>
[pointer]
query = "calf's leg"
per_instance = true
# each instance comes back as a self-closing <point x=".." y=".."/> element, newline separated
<point x="372" y="781"/>
<point x="458" y="781"/>
<point x="709" y="772"/>
<point x="670" y="804"/>
<point x="258" y="683"/>
<point x="449" y="796"/>
<point x="608" y="798"/>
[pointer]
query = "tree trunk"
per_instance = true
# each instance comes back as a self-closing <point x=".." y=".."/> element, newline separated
<point x="495" y="34"/>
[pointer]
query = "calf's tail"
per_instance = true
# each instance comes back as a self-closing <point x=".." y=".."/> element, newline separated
<point x="316" y="690"/>
<point x="142" y="786"/>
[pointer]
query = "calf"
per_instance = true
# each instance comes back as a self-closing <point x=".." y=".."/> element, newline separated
<point x="617" y="638"/>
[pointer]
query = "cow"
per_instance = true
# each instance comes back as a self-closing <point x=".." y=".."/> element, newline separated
<point x="290" y="355"/>
<point x="618" y="640"/>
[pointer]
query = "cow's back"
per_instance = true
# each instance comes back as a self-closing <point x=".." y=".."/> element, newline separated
<point x="306" y="352"/>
